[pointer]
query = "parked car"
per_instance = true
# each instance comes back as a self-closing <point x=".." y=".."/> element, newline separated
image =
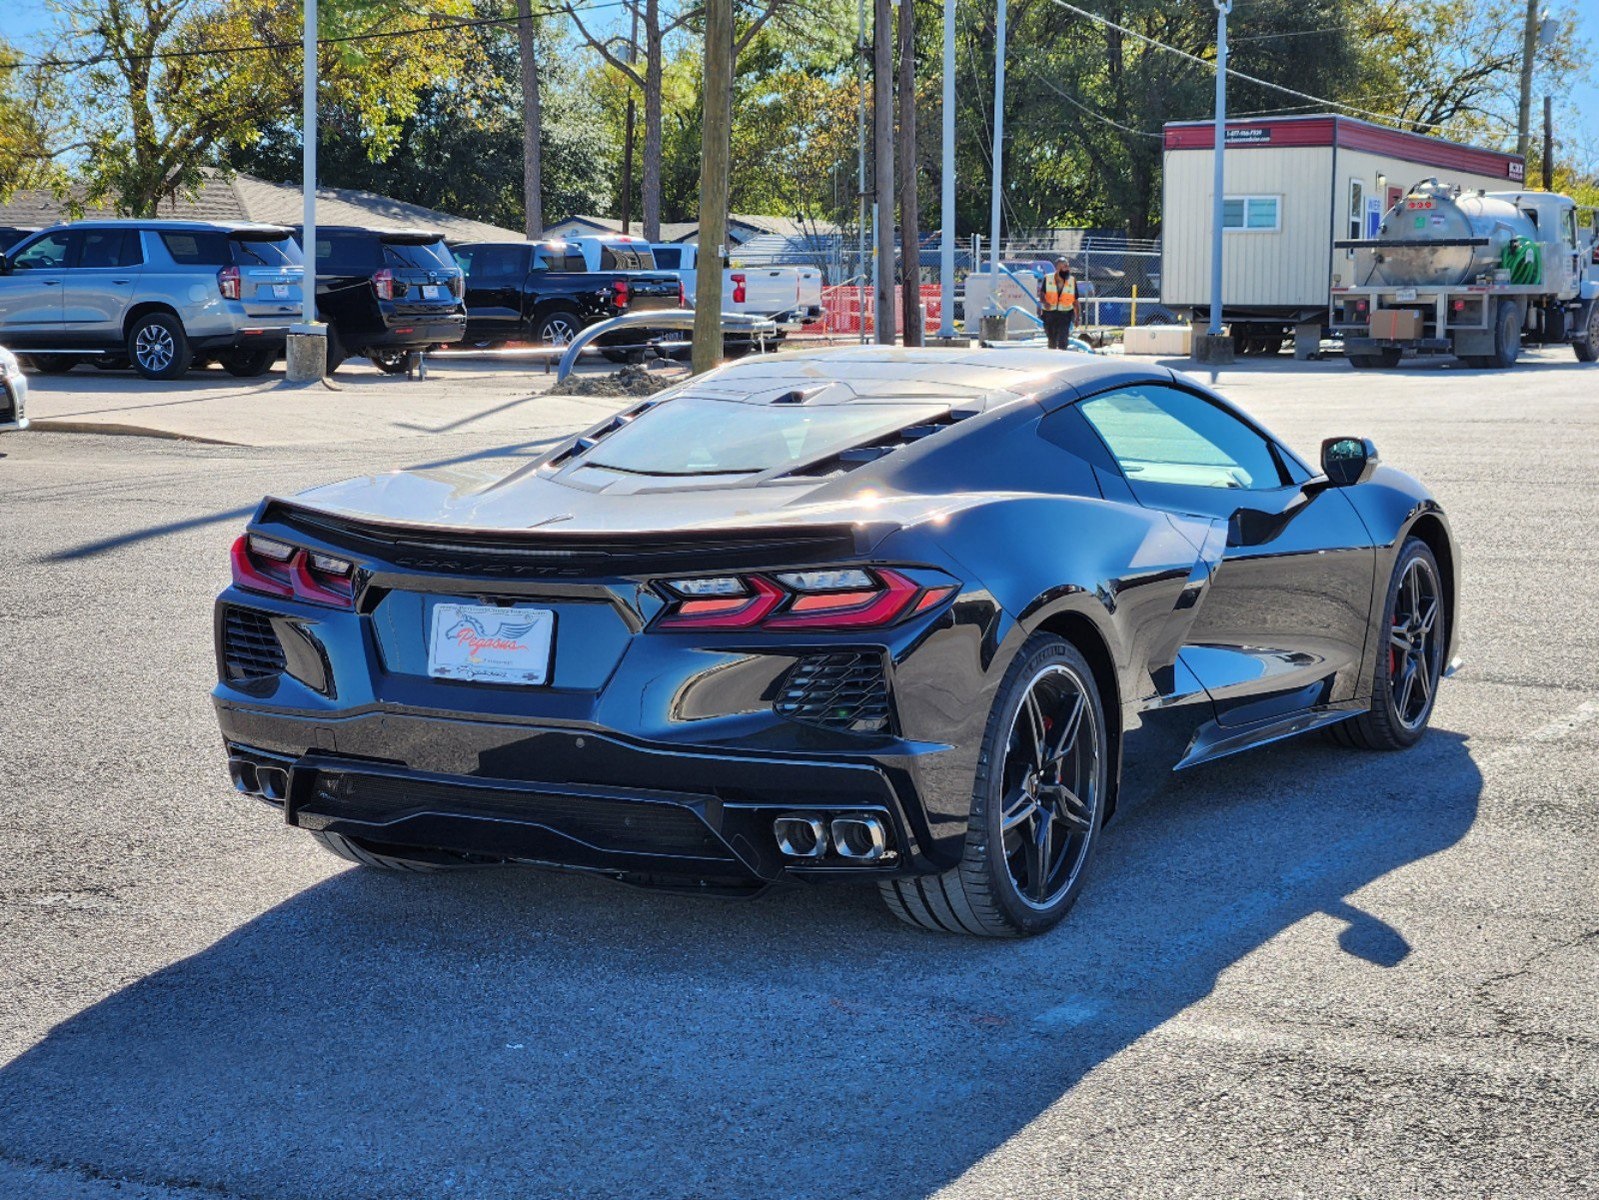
<point x="791" y="296"/>
<point x="920" y="619"/>
<point x="10" y="235"/>
<point x="13" y="392"/>
<point x="386" y="293"/>
<point x="156" y="295"/>
<point x="547" y="292"/>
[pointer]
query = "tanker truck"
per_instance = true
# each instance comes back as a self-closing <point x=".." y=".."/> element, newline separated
<point x="1471" y="273"/>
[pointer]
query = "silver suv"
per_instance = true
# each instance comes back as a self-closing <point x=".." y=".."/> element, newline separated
<point x="158" y="296"/>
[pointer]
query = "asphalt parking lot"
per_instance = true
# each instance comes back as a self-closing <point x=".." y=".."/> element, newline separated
<point x="1305" y="972"/>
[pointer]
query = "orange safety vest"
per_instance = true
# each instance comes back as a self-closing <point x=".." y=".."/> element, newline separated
<point x="1059" y="297"/>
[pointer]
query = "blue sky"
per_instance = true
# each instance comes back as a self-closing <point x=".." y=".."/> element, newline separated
<point x="27" y="19"/>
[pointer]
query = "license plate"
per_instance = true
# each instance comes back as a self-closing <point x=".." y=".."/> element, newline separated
<point x="280" y="291"/>
<point x="1405" y="294"/>
<point x="432" y="291"/>
<point x="487" y="644"/>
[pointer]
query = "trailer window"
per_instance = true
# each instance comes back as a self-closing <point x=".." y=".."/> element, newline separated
<point x="1253" y="214"/>
<point x="1357" y="210"/>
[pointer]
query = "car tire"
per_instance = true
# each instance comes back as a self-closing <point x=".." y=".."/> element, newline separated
<point x="1385" y="359"/>
<point x="1586" y="344"/>
<point x="157" y="346"/>
<point x="558" y="327"/>
<point x="357" y="852"/>
<point x="247" y="364"/>
<point x="391" y="362"/>
<point x="1016" y="807"/>
<point x="51" y="364"/>
<point x="336" y="352"/>
<point x="1507" y="336"/>
<point x="1413" y="650"/>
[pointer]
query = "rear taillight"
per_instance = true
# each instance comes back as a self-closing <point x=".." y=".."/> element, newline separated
<point x="383" y="283"/>
<point x="458" y="286"/>
<point x="619" y="287"/>
<point x="276" y="568"/>
<point x="848" y="598"/>
<point x="231" y="286"/>
<point x="682" y="295"/>
<point x="739" y="292"/>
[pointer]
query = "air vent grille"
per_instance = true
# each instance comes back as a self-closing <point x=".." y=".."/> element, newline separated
<point x="844" y="691"/>
<point x="250" y="647"/>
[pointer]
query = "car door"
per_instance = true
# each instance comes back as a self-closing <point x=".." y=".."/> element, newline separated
<point x="31" y="291"/>
<point x="99" y="284"/>
<point x="494" y="278"/>
<point x="1280" y="622"/>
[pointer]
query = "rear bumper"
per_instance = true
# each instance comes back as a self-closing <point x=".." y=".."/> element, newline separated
<point x="414" y="332"/>
<point x="246" y="337"/>
<point x="584" y="799"/>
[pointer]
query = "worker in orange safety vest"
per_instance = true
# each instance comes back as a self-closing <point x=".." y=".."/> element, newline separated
<point x="1057" y="303"/>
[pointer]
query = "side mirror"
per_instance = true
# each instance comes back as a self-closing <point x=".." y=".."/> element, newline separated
<point x="1347" y="461"/>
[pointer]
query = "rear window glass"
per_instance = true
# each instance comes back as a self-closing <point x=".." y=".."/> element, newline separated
<point x="621" y="257"/>
<point x="212" y="248"/>
<point x="694" y="435"/>
<point x="358" y="253"/>
<point x="559" y="258"/>
<point x="429" y="256"/>
<point x="668" y="260"/>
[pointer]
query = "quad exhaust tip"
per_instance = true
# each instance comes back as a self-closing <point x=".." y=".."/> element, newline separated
<point x="242" y="772"/>
<point x="274" y="782"/>
<point x="801" y="835"/>
<point x="859" y="838"/>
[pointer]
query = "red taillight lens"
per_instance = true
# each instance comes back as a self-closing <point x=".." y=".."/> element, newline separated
<point x="228" y="281"/>
<point x="739" y="291"/>
<point x="383" y="283"/>
<point x="619" y="286"/>
<point x="458" y="286"/>
<point x="682" y="295"/>
<point x="278" y="569"/>
<point x="883" y="597"/>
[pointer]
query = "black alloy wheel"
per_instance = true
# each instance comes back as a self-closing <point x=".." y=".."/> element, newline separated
<point x="1408" y="667"/>
<point x="391" y="362"/>
<point x="1037" y="805"/>
<point x="247" y="364"/>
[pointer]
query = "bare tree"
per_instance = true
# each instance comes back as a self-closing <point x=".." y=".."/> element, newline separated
<point x="657" y="26"/>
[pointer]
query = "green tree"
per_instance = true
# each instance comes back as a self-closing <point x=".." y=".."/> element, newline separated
<point x="174" y="83"/>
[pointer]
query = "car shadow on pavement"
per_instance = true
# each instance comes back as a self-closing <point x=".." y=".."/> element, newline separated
<point x="513" y="1033"/>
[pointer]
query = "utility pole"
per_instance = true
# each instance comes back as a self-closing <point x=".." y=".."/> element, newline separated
<point x="946" y="236"/>
<point x="716" y="133"/>
<point x="883" y="164"/>
<point x="993" y="316"/>
<point x="1529" y="46"/>
<point x="306" y="353"/>
<point x="627" y="143"/>
<point x="532" y="125"/>
<point x="1548" y="144"/>
<point x="860" y="173"/>
<point x="910" y="217"/>
<point x="1218" y="201"/>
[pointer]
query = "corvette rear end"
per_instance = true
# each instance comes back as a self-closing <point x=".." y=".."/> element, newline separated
<point x="712" y="710"/>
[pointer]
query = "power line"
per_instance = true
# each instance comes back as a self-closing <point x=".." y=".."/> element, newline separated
<point x="1255" y="79"/>
<point x="165" y="55"/>
<point x="1098" y="116"/>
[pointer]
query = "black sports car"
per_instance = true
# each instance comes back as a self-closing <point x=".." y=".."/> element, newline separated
<point x="915" y="617"/>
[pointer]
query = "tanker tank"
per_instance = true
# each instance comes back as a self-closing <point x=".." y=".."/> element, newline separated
<point x="1410" y="253"/>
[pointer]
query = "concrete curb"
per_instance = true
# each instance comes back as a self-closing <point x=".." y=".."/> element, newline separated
<point x="114" y="429"/>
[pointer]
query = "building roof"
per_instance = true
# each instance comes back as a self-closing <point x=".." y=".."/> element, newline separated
<point x="226" y="198"/>
<point x="1350" y="133"/>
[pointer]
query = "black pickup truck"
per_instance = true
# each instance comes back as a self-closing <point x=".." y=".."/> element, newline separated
<point x="543" y="292"/>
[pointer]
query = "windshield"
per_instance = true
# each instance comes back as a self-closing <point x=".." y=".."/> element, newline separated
<point x="694" y="435"/>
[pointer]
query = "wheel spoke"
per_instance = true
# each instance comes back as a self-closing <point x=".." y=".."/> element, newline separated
<point x="1406" y="688"/>
<point x="1035" y="727"/>
<point x="1424" y="678"/>
<point x="1399" y="640"/>
<point x="1068" y="732"/>
<point x="1036" y="850"/>
<point x="1069" y="806"/>
<point x="1429" y="616"/>
<point x="1019" y="805"/>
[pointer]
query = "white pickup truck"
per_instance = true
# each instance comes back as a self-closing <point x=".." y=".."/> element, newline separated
<point x="791" y="296"/>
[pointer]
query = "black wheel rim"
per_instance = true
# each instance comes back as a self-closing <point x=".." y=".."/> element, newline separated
<point x="1415" y="644"/>
<point x="1051" y="786"/>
